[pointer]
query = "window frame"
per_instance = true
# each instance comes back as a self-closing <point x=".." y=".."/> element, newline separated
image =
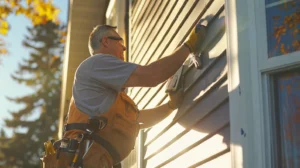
<point x="250" y="80"/>
<point x="267" y="67"/>
<point x="268" y="64"/>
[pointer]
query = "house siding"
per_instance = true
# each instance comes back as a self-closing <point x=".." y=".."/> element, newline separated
<point x="197" y="134"/>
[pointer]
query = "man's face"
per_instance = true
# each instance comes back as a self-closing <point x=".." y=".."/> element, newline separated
<point x="116" y="45"/>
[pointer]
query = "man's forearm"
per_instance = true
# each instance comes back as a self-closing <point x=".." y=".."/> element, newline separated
<point x="163" y="68"/>
<point x="150" y="117"/>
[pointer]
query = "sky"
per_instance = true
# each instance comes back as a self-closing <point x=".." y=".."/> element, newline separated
<point x="9" y="64"/>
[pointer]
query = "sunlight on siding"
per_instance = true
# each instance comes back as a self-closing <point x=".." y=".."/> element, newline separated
<point x="210" y="147"/>
<point x="223" y="161"/>
<point x="160" y="126"/>
<point x="219" y="47"/>
<point x="188" y="139"/>
<point x="164" y="139"/>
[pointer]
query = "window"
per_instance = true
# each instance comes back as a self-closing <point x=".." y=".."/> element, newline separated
<point x="283" y="26"/>
<point x="287" y="118"/>
<point x="280" y="53"/>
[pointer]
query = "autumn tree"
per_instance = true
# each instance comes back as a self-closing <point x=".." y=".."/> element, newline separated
<point x="38" y="11"/>
<point x="42" y="72"/>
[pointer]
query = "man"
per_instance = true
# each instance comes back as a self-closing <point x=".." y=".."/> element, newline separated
<point x="98" y="93"/>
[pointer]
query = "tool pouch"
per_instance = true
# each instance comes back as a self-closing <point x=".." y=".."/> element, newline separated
<point x="49" y="161"/>
<point x="58" y="158"/>
<point x="49" y="156"/>
<point x="65" y="159"/>
<point x="97" y="157"/>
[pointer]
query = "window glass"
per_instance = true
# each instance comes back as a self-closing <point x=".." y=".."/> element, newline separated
<point x="287" y="89"/>
<point x="283" y="26"/>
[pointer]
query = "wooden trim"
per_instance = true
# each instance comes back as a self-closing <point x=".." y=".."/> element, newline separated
<point x="236" y="117"/>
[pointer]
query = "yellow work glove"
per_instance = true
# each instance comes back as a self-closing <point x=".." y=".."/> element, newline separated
<point x="196" y="37"/>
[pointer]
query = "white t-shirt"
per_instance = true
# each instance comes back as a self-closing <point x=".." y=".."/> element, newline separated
<point x="98" y="79"/>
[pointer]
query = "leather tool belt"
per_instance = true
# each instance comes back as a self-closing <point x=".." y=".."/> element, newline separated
<point x="75" y="149"/>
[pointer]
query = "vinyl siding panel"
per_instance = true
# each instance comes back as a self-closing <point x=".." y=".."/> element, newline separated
<point x="197" y="134"/>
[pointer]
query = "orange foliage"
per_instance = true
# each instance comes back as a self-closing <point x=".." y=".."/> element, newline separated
<point x="279" y="31"/>
<point x="290" y="22"/>
<point x="283" y="50"/>
<point x="38" y="11"/>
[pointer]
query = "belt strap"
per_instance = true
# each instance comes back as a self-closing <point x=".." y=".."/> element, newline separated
<point x="105" y="144"/>
<point x="76" y="126"/>
<point x="111" y="150"/>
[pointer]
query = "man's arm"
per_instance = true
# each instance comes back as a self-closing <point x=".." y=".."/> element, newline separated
<point x="158" y="71"/>
<point x="150" y="117"/>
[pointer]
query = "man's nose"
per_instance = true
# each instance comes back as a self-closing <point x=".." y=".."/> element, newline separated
<point x="124" y="48"/>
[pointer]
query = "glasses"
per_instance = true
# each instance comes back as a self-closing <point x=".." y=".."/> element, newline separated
<point x="115" y="38"/>
<point x="120" y="39"/>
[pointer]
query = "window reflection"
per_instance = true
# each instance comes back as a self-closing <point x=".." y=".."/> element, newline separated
<point x="283" y="26"/>
<point x="287" y="87"/>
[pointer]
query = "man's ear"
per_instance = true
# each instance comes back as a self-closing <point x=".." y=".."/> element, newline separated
<point x="104" y="41"/>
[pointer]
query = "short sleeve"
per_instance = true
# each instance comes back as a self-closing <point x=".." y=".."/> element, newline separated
<point x="111" y="72"/>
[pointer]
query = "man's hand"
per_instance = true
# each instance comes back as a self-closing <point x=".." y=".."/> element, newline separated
<point x="196" y="38"/>
<point x="176" y="99"/>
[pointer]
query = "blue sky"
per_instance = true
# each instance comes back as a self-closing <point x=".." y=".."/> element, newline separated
<point x="9" y="65"/>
